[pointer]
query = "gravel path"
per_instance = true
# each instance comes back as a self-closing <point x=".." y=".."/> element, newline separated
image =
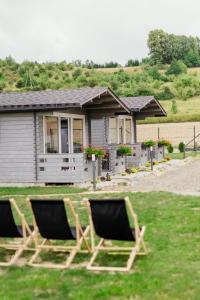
<point x="182" y="178"/>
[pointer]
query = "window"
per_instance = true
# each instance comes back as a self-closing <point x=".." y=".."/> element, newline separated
<point x="128" y="131"/>
<point x="77" y="135"/>
<point x="64" y="134"/>
<point x="120" y="130"/>
<point x="113" y="130"/>
<point x="51" y="135"/>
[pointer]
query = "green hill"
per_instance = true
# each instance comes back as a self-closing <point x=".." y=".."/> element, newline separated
<point x="179" y="94"/>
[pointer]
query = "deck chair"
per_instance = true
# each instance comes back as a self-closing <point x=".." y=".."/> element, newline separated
<point x="109" y="220"/>
<point x="14" y="237"/>
<point x="51" y="223"/>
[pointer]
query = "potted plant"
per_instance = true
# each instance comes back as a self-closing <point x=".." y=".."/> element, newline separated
<point x="124" y="151"/>
<point x="92" y="150"/>
<point x="149" y="143"/>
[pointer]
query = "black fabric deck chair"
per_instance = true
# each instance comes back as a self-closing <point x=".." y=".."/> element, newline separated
<point x="109" y="220"/>
<point x="51" y="222"/>
<point x="21" y="235"/>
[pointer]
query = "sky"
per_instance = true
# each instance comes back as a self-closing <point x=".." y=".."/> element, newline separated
<point x="100" y="30"/>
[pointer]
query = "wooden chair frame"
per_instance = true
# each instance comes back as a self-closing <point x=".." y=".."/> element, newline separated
<point x="27" y="237"/>
<point x="81" y="236"/>
<point x="132" y="251"/>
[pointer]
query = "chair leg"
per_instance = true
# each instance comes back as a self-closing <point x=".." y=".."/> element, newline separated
<point x="133" y="253"/>
<point x="37" y="252"/>
<point x="142" y="244"/>
<point x="18" y="251"/>
<point x="72" y="254"/>
<point x="13" y="259"/>
<point x="89" y="266"/>
<point x="71" y="257"/>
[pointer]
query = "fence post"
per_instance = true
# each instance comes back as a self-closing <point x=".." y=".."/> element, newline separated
<point x="158" y="133"/>
<point x="151" y="157"/>
<point x="184" y="153"/>
<point x="194" y="131"/>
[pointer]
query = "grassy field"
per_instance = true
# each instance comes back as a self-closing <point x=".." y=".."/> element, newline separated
<point x="170" y="271"/>
<point x="188" y="110"/>
<point x="179" y="155"/>
<point x="38" y="190"/>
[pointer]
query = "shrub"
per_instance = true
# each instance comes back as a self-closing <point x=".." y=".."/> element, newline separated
<point x="174" y="107"/>
<point x="165" y="143"/>
<point x="92" y="82"/>
<point x="148" y="164"/>
<point x="76" y="73"/>
<point x="2" y="85"/>
<point x="165" y="94"/>
<point x="167" y="158"/>
<point x="134" y="170"/>
<point x="154" y="73"/>
<point x="162" y="160"/>
<point x="128" y="171"/>
<point x="181" y="147"/>
<point x="177" y="67"/>
<point x="170" y="148"/>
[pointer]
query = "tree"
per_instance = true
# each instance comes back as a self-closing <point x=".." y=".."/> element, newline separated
<point x="132" y="63"/>
<point x="166" y="47"/>
<point x="158" y="42"/>
<point x="192" y="59"/>
<point x="177" y="67"/>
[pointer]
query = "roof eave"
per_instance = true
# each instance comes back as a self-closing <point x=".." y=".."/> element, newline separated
<point x="111" y="93"/>
<point x="15" y="108"/>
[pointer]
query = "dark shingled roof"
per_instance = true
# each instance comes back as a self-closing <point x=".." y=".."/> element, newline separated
<point x="136" y="104"/>
<point x="57" y="99"/>
<point x="72" y="97"/>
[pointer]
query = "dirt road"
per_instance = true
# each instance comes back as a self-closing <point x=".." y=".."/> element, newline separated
<point x="184" y="179"/>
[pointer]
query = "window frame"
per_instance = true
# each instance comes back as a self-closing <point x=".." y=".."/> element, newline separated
<point x="70" y="118"/>
<point x="121" y="117"/>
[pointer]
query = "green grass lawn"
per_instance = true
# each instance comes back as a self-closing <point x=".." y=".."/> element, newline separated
<point x="35" y="190"/>
<point x="170" y="271"/>
<point x="180" y="155"/>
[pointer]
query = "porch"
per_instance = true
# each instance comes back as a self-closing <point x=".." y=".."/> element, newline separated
<point x="77" y="167"/>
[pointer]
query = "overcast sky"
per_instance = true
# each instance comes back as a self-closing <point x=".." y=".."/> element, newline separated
<point x="101" y="30"/>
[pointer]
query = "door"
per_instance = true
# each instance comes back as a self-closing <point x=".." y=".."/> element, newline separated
<point x="64" y="126"/>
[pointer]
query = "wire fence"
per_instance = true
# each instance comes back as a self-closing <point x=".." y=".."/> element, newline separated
<point x="174" y="132"/>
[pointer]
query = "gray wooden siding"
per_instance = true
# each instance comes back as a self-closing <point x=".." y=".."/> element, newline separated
<point x="98" y="138"/>
<point x="17" y="149"/>
<point x="99" y="128"/>
<point x="64" y="168"/>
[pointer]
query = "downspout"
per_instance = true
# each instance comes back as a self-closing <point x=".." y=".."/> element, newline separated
<point x="35" y="143"/>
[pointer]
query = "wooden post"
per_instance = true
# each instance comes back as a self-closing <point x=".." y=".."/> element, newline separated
<point x="158" y="133"/>
<point x="184" y="154"/>
<point x="94" y="171"/>
<point x="134" y="121"/>
<point x="194" y="130"/>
